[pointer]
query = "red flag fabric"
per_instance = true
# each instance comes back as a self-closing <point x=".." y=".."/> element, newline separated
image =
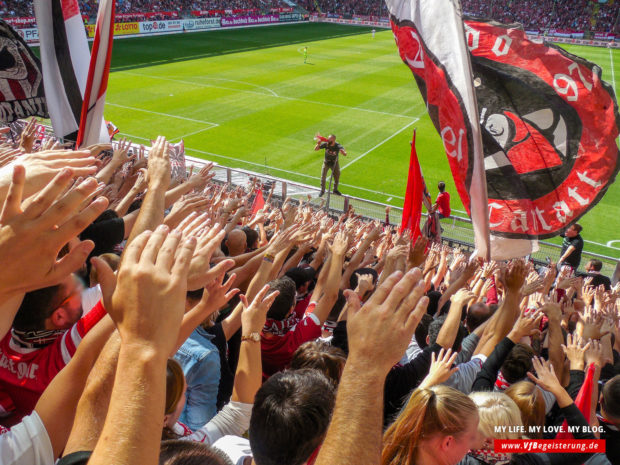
<point x="259" y="202"/>
<point x="412" y="209"/>
<point x="437" y="54"/>
<point x="583" y="402"/>
<point x="92" y="125"/>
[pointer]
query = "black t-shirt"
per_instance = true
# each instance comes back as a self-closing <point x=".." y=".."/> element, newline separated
<point x="331" y="152"/>
<point x="575" y="257"/>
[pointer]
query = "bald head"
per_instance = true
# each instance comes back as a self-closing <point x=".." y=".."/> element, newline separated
<point x="236" y="243"/>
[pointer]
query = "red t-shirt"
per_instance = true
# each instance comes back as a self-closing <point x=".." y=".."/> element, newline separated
<point x="26" y="372"/>
<point x="277" y="351"/>
<point x="443" y="204"/>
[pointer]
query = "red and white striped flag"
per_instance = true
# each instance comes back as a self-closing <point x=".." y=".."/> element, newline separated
<point x="64" y="59"/>
<point x="93" y="129"/>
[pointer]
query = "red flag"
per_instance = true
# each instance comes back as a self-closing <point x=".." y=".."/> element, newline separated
<point x="412" y="209"/>
<point x="259" y="201"/>
<point x="583" y="402"/>
<point x="92" y="126"/>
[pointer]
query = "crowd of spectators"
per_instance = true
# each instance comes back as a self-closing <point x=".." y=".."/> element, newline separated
<point x="346" y="7"/>
<point x="152" y="316"/>
<point x="577" y="15"/>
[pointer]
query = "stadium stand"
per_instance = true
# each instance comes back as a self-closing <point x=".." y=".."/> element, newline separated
<point x="570" y="15"/>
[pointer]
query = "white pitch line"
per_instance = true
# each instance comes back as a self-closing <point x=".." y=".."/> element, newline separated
<point x="195" y="132"/>
<point x="239" y="160"/>
<point x="199" y="84"/>
<point x="184" y="118"/>
<point x="613" y="73"/>
<point x="242" y="82"/>
<point x="379" y="144"/>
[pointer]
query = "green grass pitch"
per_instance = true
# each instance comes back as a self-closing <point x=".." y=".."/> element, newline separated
<point x="245" y="98"/>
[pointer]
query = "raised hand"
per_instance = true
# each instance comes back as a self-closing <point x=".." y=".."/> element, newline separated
<point x="545" y="375"/>
<point x="149" y="300"/>
<point x="254" y="316"/>
<point x="514" y="276"/>
<point x="28" y="136"/>
<point x="575" y="351"/>
<point x="120" y="156"/>
<point x="527" y="324"/>
<point x="30" y="239"/>
<point x="201" y="179"/>
<point x="380" y="330"/>
<point x="417" y="252"/>
<point x="441" y="368"/>
<point x="41" y="167"/>
<point x="159" y="163"/>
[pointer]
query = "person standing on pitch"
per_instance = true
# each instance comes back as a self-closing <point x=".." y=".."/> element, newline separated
<point x="373" y="33"/>
<point x="305" y="55"/>
<point x="332" y="150"/>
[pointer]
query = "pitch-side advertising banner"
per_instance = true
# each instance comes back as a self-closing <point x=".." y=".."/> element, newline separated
<point x="250" y="20"/>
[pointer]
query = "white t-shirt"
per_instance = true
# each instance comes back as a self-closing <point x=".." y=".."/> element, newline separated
<point x="90" y="297"/>
<point x="26" y="443"/>
<point x="236" y="448"/>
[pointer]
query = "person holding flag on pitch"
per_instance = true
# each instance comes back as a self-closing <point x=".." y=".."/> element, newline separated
<point x="332" y="151"/>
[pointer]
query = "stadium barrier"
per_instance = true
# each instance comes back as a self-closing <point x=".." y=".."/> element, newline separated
<point x="457" y="231"/>
<point x="175" y="26"/>
<point x="600" y="39"/>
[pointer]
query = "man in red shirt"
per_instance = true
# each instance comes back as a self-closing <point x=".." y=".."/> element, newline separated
<point x="277" y="349"/>
<point x="46" y="332"/>
<point x="442" y="204"/>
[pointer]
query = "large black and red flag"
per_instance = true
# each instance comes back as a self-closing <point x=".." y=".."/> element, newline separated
<point x="64" y="56"/>
<point x="431" y="41"/>
<point x="549" y="127"/>
<point x="21" y="82"/>
<point x="548" y="122"/>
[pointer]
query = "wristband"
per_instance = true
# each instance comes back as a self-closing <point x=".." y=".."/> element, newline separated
<point x="269" y="258"/>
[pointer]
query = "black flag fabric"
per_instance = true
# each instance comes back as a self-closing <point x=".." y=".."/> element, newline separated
<point x="547" y="122"/>
<point x="549" y="128"/>
<point x="21" y="82"/>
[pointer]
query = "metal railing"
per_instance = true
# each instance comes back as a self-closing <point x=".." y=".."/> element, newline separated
<point x="457" y="230"/>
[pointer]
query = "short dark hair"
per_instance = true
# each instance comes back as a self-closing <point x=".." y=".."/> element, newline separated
<point x="320" y="356"/>
<point x="37" y="307"/>
<point x="435" y="327"/>
<point x="577" y="227"/>
<point x="179" y="452"/>
<point x="281" y="306"/>
<point x="477" y="314"/>
<point x="610" y="401"/>
<point x="290" y="417"/>
<point x="596" y="264"/>
<point x="354" y="279"/>
<point x="421" y="331"/>
<point x="251" y="236"/>
<point x="518" y="363"/>
<point x="441" y="186"/>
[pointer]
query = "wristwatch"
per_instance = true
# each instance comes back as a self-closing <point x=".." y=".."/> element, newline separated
<point x="253" y="337"/>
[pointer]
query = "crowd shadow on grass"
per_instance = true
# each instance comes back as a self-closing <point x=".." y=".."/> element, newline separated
<point x="143" y="52"/>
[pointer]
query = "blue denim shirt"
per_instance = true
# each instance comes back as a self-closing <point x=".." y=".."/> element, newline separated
<point x="200" y="361"/>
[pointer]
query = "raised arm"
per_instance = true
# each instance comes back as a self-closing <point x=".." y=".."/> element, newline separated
<point x="379" y="335"/>
<point x="147" y="307"/>
<point x="152" y="210"/>
<point x="32" y="237"/>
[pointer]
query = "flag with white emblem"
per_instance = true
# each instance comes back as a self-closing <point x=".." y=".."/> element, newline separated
<point x="547" y="122"/>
